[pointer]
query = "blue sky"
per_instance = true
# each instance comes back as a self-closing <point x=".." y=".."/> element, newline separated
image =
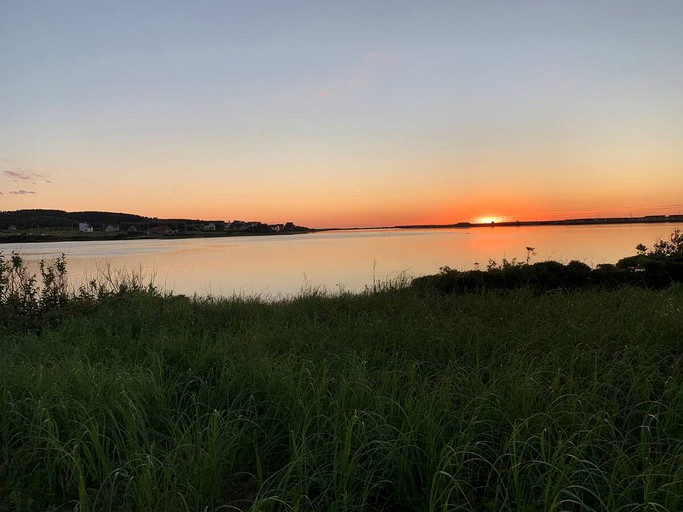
<point x="342" y="113"/>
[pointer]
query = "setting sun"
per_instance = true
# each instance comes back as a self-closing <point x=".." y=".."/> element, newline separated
<point x="487" y="220"/>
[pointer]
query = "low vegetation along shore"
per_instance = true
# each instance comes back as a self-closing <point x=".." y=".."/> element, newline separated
<point x="508" y="389"/>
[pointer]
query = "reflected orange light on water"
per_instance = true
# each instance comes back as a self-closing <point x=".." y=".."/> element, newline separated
<point x="349" y="260"/>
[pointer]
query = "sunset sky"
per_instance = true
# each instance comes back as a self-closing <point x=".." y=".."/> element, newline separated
<point x="345" y="113"/>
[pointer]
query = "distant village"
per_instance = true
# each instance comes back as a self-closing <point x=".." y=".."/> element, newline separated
<point x="174" y="228"/>
<point x="44" y="225"/>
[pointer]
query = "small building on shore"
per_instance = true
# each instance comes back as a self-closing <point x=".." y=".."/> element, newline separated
<point x="236" y="225"/>
<point x="84" y="227"/>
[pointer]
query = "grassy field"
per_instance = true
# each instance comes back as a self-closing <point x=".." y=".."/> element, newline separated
<point x="395" y="400"/>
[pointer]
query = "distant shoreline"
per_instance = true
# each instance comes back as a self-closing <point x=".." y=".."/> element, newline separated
<point x="48" y="236"/>
<point x="99" y="236"/>
<point x="648" y="219"/>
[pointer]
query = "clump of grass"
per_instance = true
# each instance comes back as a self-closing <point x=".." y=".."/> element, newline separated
<point x="23" y="301"/>
<point x="378" y="401"/>
<point x="30" y="302"/>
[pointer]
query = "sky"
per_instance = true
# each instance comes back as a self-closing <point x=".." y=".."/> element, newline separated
<point x="345" y="113"/>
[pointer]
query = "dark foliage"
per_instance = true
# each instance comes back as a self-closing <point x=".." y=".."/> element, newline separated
<point x="655" y="269"/>
<point x="30" y="302"/>
<point x="29" y="219"/>
<point x="25" y="219"/>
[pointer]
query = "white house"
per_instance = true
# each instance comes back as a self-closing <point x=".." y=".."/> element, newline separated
<point x="84" y="227"/>
<point x="210" y="227"/>
<point x="111" y="228"/>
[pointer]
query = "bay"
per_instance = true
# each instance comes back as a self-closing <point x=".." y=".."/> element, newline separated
<point x="278" y="266"/>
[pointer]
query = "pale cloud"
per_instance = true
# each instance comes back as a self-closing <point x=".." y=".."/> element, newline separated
<point x="21" y="192"/>
<point x="16" y="175"/>
<point x="20" y="175"/>
<point x="369" y="70"/>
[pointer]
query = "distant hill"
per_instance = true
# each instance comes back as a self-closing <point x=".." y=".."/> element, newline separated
<point x="28" y="219"/>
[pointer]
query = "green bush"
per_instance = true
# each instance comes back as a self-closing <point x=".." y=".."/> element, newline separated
<point x="654" y="269"/>
<point x="23" y="303"/>
<point x="30" y="302"/>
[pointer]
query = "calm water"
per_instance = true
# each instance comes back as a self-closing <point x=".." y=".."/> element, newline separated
<point x="350" y="260"/>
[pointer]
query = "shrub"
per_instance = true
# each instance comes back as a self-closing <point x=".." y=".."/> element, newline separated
<point x="656" y="269"/>
<point x="660" y="266"/>
<point x="29" y="301"/>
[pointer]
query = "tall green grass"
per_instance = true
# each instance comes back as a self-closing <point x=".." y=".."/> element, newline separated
<point x="395" y="400"/>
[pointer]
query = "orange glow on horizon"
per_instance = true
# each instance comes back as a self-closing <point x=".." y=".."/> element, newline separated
<point x="329" y="208"/>
<point x="487" y="220"/>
